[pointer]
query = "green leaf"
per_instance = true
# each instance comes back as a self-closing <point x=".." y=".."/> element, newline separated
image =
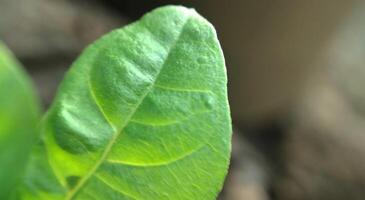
<point x="142" y="114"/>
<point x="19" y="110"/>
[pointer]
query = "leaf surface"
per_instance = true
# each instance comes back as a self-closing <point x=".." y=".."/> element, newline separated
<point x="19" y="112"/>
<point x="142" y="114"/>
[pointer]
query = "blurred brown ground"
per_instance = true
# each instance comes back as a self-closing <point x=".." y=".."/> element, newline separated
<point x="296" y="75"/>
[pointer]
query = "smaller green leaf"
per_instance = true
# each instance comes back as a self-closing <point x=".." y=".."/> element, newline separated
<point x="19" y="115"/>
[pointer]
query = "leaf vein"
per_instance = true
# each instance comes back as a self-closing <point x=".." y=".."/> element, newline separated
<point x="182" y="89"/>
<point x="174" y="122"/>
<point x="93" y="95"/>
<point x="114" y="188"/>
<point x="157" y="164"/>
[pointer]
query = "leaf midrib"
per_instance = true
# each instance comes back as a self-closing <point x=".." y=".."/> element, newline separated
<point x="108" y="148"/>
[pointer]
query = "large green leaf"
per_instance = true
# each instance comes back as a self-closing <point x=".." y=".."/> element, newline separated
<point x="18" y="120"/>
<point x="142" y="114"/>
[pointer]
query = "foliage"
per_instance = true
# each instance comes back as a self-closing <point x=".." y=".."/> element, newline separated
<point x="142" y="114"/>
<point x="19" y="113"/>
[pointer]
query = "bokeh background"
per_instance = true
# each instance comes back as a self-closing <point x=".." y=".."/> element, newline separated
<point x="296" y="82"/>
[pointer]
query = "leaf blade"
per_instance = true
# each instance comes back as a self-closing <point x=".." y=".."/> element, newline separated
<point x="112" y="86"/>
<point x="19" y="113"/>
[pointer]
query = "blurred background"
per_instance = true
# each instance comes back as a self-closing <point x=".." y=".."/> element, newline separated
<point x="296" y="82"/>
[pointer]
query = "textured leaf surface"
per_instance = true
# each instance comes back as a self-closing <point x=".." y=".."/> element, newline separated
<point x="18" y="119"/>
<point x="142" y="114"/>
